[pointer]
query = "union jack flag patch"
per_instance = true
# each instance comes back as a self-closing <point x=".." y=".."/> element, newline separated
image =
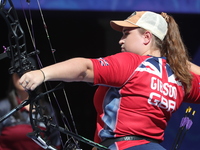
<point x="103" y="62"/>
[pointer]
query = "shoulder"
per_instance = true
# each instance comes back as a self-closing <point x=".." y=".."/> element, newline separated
<point x="125" y="56"/>
<point x="128" y="54"/>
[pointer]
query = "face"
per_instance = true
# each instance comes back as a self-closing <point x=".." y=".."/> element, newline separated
<point x="132" y="41"/>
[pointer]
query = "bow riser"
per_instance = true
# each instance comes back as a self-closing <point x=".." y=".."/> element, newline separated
<point x="17" y="51"/>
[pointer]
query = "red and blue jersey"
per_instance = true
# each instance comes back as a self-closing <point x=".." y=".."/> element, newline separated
<point x="136" y="96"/>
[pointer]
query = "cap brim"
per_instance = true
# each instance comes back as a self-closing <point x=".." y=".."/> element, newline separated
<point x="118" y="25"/>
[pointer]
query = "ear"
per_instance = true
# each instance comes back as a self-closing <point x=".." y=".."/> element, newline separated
<point x="147" y="37"/>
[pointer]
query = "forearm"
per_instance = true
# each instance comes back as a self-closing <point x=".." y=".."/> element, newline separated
<point x="77" y="69"/>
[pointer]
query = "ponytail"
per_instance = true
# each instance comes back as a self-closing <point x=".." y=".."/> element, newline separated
<point x="176" y="53"/>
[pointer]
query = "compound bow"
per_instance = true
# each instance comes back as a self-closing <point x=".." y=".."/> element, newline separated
<point x="17" y="52"/>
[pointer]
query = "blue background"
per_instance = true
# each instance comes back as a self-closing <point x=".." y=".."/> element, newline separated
<point x="183" y="6"/>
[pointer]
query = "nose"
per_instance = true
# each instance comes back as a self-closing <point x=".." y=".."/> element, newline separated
<point x="121" y="41"/>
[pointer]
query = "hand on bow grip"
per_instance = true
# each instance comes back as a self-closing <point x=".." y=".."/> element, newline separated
<point x="32" y="79"/>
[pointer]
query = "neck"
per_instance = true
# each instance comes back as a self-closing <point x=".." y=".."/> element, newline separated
<point x="154" y="52"/>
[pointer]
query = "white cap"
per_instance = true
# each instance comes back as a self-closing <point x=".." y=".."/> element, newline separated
<point x="150" y="21"/>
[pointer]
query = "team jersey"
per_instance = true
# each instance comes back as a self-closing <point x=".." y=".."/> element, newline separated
<point x="136" y="96"/>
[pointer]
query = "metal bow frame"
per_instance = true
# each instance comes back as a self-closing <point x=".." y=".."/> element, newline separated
<point x="17" y="52"/>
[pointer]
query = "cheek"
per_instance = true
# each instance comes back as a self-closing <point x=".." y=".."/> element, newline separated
<point x="129" y="43"/>
<point x="132" y="46"/>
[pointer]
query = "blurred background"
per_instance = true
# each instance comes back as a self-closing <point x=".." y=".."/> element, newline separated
<point x="81" y="28"/>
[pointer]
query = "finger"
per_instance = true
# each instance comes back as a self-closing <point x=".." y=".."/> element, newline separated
<point x="24" y="84"/>
<point x="33" y="87"/>
<point x="22" y="79"/>
<point x="28" y="84"/>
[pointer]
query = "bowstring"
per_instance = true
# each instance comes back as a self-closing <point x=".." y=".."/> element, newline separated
<point x="47" y="32"/>
<point x="32" y="36"/>
<point x="53" y="51"/>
